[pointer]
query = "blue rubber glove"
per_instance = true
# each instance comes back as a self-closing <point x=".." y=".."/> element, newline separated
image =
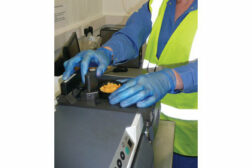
<point x="145" y="90"/>
<point x="100" y="57"/>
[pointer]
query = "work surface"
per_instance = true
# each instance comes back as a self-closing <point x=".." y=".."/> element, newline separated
<point x="87" y="137"/>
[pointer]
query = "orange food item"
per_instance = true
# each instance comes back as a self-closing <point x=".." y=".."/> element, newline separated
<point x="109" y="87"/>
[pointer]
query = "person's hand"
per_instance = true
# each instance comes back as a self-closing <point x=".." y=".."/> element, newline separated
<point x="100" y="57"/>
<point x="145" y="90"/>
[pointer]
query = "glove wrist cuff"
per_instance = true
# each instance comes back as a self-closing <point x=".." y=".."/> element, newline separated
<point x="171" y="78"/>
<point x="108" y="53"/>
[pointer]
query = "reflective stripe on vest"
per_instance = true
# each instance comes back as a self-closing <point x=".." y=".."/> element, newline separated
<point x="183" y="114"/>
<point x="147" y="64"/>
<point x="175" y="107"/>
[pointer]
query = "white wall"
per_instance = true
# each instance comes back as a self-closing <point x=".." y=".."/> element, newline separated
<point x="79" y="10"/>
<point x="82" y="13"/>
<point x="79" y="14"/>
<point x="121" y="7"/>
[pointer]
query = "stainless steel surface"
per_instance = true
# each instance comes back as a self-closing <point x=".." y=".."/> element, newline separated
<point x="163" y="144"/>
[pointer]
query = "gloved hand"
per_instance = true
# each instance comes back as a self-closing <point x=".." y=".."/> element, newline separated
<point x="100" y="57"/>
<point x="145" y="90"/>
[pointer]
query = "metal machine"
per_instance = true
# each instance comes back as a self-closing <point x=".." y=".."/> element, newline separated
<point x="91" y="133"/>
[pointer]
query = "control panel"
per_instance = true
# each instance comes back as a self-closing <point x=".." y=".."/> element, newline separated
<point x="125" y="152"/>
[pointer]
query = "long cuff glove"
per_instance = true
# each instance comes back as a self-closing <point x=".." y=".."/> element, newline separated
<point x="145" y="90"/>
<point x="100" y="57"/>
